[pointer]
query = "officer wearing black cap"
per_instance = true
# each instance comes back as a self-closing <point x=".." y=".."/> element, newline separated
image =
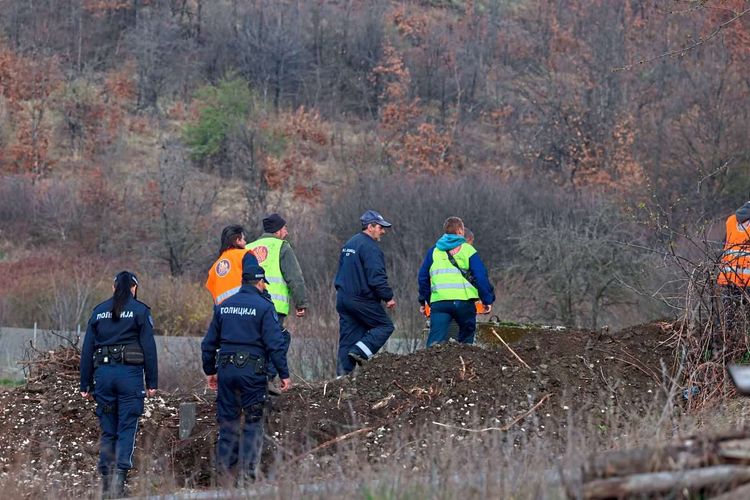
<point x="243" y="334"/>
<point x="361" y="288"/>
<point x="117" y="350"/>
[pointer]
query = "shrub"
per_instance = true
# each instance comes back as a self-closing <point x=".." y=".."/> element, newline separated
<point x="179" y="306"/>
<point x="223" y="108"/>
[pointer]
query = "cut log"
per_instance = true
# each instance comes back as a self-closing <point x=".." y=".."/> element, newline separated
<point x="638" y="484"/>
<point x="642" y="460"/>
<point x="741" y="492"/>
<point x="736" y="449"/>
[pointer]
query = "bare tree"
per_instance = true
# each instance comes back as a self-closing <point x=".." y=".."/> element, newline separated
<point x="184" y="203"/>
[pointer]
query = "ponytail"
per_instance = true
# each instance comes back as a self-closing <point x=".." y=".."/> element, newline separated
<point x="124" y="281"/>
<point x="229" y="237"/>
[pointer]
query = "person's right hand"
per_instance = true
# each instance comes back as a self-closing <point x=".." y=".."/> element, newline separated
<point x="391" y="304"/>
<point x="487" y="309"/>
<point x="212" y="381"/>
<point x="86" y="395"/>
<point x="422" y="309"/>
<point x="286" y="384"/>
<point x="301" y="312"/>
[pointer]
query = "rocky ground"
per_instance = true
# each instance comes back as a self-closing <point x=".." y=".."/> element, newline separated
<point x="48" y="433"/>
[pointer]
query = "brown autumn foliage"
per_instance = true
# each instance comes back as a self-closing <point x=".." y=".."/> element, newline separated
<point x="527" y="91"/>
<point x="305" y="135"/>
<point x="28" y="84"/>
<point x="410" y="144"/>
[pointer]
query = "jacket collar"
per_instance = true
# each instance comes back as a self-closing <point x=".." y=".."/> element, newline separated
<point x="249" y="289"/>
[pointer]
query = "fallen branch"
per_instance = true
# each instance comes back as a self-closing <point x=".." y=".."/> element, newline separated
<point x="640" y="484"/>
<point x="504" y="428"/>
<point x="402" y="388"/>
<point x="309" y="386"/>
<point x="328" y="443"/>
<point x="741" y="492"/>
<point x="511" y="350"/>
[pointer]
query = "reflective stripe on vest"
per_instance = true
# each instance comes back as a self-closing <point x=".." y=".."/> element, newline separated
<point x="735" y="260"/>
<point x="223" y="296"/>
<point x="268" y="252"/>
<point x="447" y="282"/>
<point x="225" y="275"/>
<point x="735" y="270"/>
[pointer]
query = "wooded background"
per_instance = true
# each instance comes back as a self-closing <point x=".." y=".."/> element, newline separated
<point x="594" y="146"/>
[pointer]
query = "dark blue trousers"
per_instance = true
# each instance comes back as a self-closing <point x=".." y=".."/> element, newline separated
<point x="241" y="390"/>
<point x="441" y="314"/>
<point x="287" y="340"/>
<point x="364" y="327"/>
<point x="119" y="392"/>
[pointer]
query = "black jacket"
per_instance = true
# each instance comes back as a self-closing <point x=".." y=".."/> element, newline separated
<point x="135" y="326"/>
<point x="362" y="270"/>
<point x="246" y="321"/>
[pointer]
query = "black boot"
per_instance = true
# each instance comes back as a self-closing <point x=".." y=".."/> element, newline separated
<point x="106" y="484"/>
<point x="118" y="483"/>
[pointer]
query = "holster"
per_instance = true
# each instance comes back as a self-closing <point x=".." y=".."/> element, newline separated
<point x="130" y="354"/>
<point x="241" y="359"/>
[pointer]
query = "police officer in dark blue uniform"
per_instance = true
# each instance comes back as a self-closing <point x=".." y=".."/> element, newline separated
<point x="243" y="334"/>
<point x="361" y="285"/>
<point x="117" y="349"/>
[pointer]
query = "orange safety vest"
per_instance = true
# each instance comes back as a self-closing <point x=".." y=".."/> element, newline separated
<point x="735" y="261"/>
<point x="225" y="275"/>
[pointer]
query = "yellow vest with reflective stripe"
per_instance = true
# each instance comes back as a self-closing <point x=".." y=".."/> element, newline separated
<point x="268" y="252"/>
<point x="447" y="282"/>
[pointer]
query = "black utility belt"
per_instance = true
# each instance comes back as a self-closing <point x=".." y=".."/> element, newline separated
<point x="241" y="359"/>
<point x="127" y="354"/>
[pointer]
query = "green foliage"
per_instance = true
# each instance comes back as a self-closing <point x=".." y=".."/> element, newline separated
<point x="224" y="107"/>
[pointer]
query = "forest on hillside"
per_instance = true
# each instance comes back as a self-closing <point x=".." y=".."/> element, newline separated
<point x="594" y="147"/>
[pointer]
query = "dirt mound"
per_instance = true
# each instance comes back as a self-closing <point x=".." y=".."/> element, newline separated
<point x="49" y="434"/>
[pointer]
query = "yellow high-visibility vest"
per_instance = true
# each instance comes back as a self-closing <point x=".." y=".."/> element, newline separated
<point x="268" y="252"/>
<point x="447" y="282"/>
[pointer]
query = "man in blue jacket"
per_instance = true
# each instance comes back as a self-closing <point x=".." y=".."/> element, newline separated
<point x="452" y="278"/>
<point x="361" y="287"/>
<point x="245" y="331"/>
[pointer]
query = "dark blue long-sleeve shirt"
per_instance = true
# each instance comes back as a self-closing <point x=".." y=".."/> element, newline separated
<point x="246" y="321"/>
<point x="135" y="326"/>
<point x="476" y="266"/>
<point x="362" y="270"/>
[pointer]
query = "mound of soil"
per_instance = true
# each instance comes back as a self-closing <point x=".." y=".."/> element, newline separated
<point x="49" y="434"/>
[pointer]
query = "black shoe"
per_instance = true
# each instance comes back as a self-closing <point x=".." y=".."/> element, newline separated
<point x="357" y="358"/>
<point x="107" y="485"/>
<point x="245" y="479"/>
<point x="118" y="483"/>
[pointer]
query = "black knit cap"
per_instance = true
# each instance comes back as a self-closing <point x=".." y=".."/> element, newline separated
<point x="273" y="223"/>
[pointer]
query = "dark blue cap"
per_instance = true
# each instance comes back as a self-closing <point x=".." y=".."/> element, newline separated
<point x="371" y="216"/>
<point x="251" y="271"/>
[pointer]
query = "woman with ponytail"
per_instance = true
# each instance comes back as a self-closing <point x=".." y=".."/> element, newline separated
<point x="118" y="352"/>
<point x="225" y="275"/>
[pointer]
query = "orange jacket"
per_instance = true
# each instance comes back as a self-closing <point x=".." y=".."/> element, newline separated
<point x="735" y="261"/>
<point x="225" y="275"/>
